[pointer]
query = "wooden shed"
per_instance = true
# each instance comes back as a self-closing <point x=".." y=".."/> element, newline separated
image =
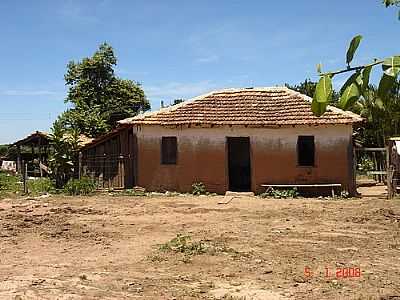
<point x="110" y="159"/>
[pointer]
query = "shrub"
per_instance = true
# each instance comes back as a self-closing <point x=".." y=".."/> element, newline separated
<point x="40" y="186"/>
<point x="198" y="188"/>
<point x="83" y="186"/>
<point x="9" y="183"/>
<point x="184" y="244"/>
<point x="365" y="165"/>
<point x="289" y="193"/>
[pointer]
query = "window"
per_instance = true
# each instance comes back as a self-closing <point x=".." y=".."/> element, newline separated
<point x="168" y="150"/>
<point x="305" y="151"/>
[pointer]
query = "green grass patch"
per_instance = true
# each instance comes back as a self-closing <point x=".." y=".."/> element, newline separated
<point x="41" y="186"/>
<point x="83" y="186"/>
<point x="10" y="183"/>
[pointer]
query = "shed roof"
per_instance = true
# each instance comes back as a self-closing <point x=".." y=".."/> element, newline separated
<point x="43" y="138"/>
<point x="259" y="107"/>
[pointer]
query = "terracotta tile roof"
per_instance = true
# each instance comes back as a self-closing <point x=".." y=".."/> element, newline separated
<point x="269" y="107"/>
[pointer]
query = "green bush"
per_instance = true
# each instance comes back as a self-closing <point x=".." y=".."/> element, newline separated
<point x="40" y="186"/>
<point x="289" y="193"/>
<point x="198" y="188"/>
<point x="9" y="183"/>
<point x="184" y="244"/>
<point x="83" y="186"/>
<point x="365" y="165"/>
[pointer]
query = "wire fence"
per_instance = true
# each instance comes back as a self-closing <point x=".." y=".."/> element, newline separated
<point x="109" y="172"/>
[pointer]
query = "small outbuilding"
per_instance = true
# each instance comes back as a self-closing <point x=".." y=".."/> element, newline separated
<point x="34" y="151"/>
<point x="233" y="139"/>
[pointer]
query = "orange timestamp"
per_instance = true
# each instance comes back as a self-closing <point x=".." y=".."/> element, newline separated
<point x="338" y="273"/>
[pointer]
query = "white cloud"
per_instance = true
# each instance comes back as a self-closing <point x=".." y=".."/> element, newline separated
<point x="76" y="11"/>
<point x="207" y="59"/>
<point x="28" y="93"/>
<point x="174" y="90"/>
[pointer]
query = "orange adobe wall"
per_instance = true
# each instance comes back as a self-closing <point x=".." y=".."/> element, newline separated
<point x="202" y="157"/>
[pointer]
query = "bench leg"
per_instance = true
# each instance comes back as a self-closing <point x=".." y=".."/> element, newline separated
<point x="333" y="192"/>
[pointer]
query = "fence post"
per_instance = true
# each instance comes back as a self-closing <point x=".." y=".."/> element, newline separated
<point x="79" y="165"/>
<point x="24" y="171"/>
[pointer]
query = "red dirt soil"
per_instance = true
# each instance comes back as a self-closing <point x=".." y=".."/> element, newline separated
<point x="108" y="247"/>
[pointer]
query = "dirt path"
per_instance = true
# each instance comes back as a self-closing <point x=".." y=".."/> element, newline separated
<point x="108" y="247"/>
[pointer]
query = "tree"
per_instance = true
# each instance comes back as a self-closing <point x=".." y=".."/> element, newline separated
<point x="3" y="150"/>
<point x="381" y="120"/>
<point x="392" y="3"/>
<point x="99" y="98"/>
<point x="357" y="84"/>
<point x="307" y="87"/>
<point x="177" y="101"/>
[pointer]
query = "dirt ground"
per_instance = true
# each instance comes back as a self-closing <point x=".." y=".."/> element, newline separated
<point x="108" y="247"/>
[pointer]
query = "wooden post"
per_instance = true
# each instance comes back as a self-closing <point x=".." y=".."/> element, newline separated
<point x="19" y="163"/>
<point x="25" y="176"/>
<point x="390" y="173"/>
<point x="40" y="156"/>
<point x="80" y="164"/>
<point x="354" y="175"/>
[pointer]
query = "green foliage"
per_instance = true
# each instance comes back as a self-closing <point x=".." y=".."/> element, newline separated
<point x="198" y="188"/>
<point x="382" y="116"/>
<point x="131" y="192"/>
<point x="9" y="183"/>
<point x="99" y="98"/>
<point x="357" y="84"/>
<point x="349" y="96"/>
<point x="83" y="186"/>
<point x="3" y="150"/>
<point x="323" y="95"/>
<point x="278" y="194"/>
<point x="177" y="101"/>
<point x="392" y="3"/>
<point x="41" y="186"/>
<point x="65" y="143"/>
<point x="306" y="88"/>
<point x="184" y="244"/>
<point x="365" y="164"/>
<point x="355" y="42"/>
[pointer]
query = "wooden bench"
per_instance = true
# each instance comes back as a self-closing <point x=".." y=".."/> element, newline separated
<point x="331" y="185"/>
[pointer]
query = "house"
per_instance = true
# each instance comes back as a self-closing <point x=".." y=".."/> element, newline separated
<point x="233" y="139"/>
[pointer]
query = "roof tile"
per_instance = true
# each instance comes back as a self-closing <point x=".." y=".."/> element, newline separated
<point x="276" y="106"/>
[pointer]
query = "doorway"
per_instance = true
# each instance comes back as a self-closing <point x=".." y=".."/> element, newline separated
<point x="239" y="169"/>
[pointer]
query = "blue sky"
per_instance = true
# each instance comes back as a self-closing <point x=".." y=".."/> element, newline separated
<point x="177" y="49"/>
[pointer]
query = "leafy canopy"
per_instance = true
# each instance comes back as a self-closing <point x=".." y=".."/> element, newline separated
<point x="99" y="98"/>
<point x="357" y="84"/>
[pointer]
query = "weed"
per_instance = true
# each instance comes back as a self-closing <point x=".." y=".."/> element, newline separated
<point x="156" y="258"/>
<point x="334" y="284"/>
<point x="289" y="193"/>
<point x="199" y="188"/>
<point x="83" y="186"/>
<point x="10" y="183"/>
<point x="184" y="244"/>
<point x="40" y="186"/>
<point x="130" y="192"/>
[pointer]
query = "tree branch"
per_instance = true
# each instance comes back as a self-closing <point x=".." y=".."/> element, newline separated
<point x="378" y="62"/>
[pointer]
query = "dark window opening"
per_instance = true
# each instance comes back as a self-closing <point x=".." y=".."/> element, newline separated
<point x="168" y="150"/>
<point x="306" y="151"/>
